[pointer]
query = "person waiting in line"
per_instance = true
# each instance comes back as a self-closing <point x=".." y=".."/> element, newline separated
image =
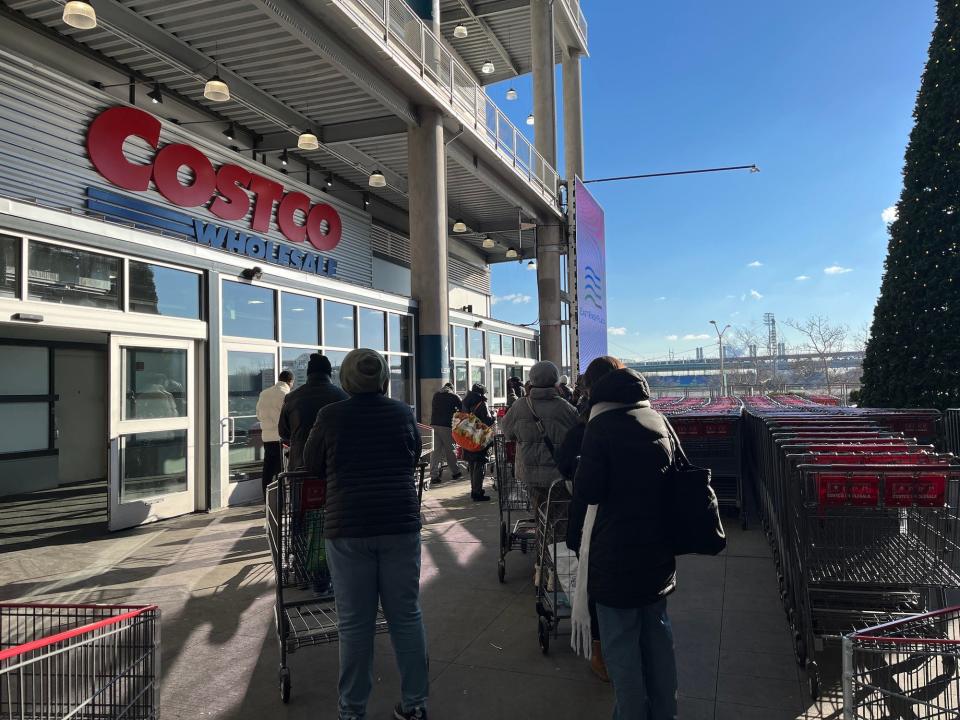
<point x="568" y="458"/>
<point x="445" y="403"/>
<point x="623" y="476"/>
<point x="301" y="406"/>
<point x="564" y="389"/>
<point x="366" y="448"/>
<point x="539" y="423"/>
<point x="269" y="405"/>
<point x="475" y="402"/>
<point x="514" y="390"/>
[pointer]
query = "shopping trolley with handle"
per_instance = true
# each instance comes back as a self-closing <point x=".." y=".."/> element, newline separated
<point x="904" y="670"/>
<point x="79" y="661"/>
<point x="556" y="573"/>
<point x="305" y="610"/>
<point x="517" y="525"/>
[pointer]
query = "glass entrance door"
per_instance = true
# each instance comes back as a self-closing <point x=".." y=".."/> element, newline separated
<point x="152" y="437"/>
<point x="247" y="370"/>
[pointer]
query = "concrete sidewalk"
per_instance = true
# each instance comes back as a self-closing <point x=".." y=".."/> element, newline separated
<point x="212" y="577"/>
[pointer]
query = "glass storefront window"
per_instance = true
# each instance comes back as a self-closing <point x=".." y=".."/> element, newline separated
<point x="26" y="427"/>
<point x="372" y="329"/>
<point x="460" y="377"/>
<point x="160" y="290"/>
<point x="499" y="383"/>
<point x="507" y="345"/>
<point x="459" y="343"/>
<point x="401" y="378"/>
<point x="248" y="311"/>
<point x="299" y="319"/>
<point x="156" y="383"/>
<point x="339" y="321"/>
<point x="533" y="350"/>
<point x="9" y="265"/>
<point x="248" y="373"/>
<point x="296" y="360"/>
<point x="476" y="344"/>
<point x="401" y="333"/>
<point x="478" y="374"/>
<point x="519" y="347"/>
<point x="493" y="343"/>
<point x="336" y="361"/>
<point x="153" y="463"/>
<point x="74" y="277"/>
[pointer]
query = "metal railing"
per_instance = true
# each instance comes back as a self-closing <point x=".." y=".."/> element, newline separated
<point x="402" y="30"/>
<point x="573" y="7"/>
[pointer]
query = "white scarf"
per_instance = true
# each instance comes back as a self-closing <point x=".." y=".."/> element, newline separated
<point x="581" y="637"/>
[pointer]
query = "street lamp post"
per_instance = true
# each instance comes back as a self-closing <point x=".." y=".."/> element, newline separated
<point x="723" y="373"/>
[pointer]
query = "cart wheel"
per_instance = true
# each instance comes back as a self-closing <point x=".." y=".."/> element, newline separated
<point x="813" y="680"/>
<point x="501" y="570"/>
<point x="285" y="684"/>
<point x="543" y="634"/>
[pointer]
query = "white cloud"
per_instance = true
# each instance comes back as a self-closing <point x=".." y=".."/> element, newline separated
<point x="755" y="264"/>
<point x="755" y="295"/>
<point x="837" y="270"/>
<point x="801" y="278"/>
<point x="691" y="336"/>
<point x="889" y="215"/>
<point x="515" y="298"/>
<point x="616" y="331"/>
<point x="661" y="298"/>
<point x="672" y="337"/>
<point x="731" y="297"/>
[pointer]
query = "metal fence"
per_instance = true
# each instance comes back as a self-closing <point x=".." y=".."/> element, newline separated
<point x="402" y="30"/>
<point x="951" y="425"/>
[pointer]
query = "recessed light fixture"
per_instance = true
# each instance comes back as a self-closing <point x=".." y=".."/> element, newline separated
<point x="377" y="179"/>
<point x="155" y="95"/>
<point x="459" y="226"/>
<point x="231" y="132"/>
<point x="80" y="15"/>
<point x="366" y="200"/>
<point x="511" y="94"/>
<point x="511" y="253"/>
<point x="308" y="141"/>
<point x="284" y="158"/>
<point x="487" y="68"/>
<point x="216" y="90"/>
<point x="329" y="180"/>
<point x="530" y="119"/>
<point x="460" y="31"/>
<point x="488" y="242"/>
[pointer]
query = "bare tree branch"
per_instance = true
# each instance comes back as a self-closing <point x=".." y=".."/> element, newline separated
<point x="823" y="339"/>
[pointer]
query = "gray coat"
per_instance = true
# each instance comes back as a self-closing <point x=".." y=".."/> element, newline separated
<point x="535" y="465"/>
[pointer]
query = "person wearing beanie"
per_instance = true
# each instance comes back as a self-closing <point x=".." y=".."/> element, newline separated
<point x="300" y="407"/>
<point x="539" y="423"/>
<point x="445" y="403"/>
<point x="564" y="389"/>
<point x="367" y="448"/>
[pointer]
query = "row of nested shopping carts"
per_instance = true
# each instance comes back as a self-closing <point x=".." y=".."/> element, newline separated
<point x="863" y="521"/>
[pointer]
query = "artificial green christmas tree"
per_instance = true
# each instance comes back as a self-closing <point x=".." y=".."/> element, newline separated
<point x="913" y="356"/>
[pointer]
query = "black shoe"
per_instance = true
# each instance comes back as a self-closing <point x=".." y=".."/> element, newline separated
<point x="479" y="497"/>
<point x="458" y="476"/>
<point x="436" y="480"/>
<point x="415" y="714"/>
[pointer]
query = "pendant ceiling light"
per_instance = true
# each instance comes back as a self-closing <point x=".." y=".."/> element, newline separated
<point x="155" y="95"/>
<point x="511" y="253"/>
<point x="377" y="179"/>
<point x="231" y="132"/>
<point x="459" y="226"/>
<point x="216" y="90"/>
<point x="308" y="141"/>
<point x="284" y="158"/>
<point x="80" y="15"/>
<point x="460" y="31"/>
<point x="488" y="242"/>
<point x="366" y="200"/>
<point x="511" y="94"/>
<point x="530" y="119"/>
<point x="487" y="68"/>
<point x="329" y="180"/>
<point x="532" y="265"/>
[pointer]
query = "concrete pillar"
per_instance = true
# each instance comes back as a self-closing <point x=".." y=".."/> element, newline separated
<point x="572" y="115"/>
<point x="545" y="139"/>
<point x="427" y="192"/>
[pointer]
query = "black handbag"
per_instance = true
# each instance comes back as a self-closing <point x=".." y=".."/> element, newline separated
<point x="692" y="514"/>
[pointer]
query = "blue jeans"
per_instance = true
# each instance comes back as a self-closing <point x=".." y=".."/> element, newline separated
<point x="638" y="649"/>
<point x="384" y="570"/>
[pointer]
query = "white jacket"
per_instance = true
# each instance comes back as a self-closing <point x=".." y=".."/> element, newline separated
<point x="268" y="410"/>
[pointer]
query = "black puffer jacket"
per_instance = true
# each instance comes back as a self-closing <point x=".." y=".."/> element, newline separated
<point x="568" y="458"/>
<point x="445" y="403"/>
<point x="366" y="448"/>
<point x="300" y="408"/>
<point x="623" y="468"/>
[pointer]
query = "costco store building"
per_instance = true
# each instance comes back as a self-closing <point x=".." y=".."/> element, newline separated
<point x="153" y="281"/>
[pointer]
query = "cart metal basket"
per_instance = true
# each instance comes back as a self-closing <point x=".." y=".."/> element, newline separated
<point x="556" y="563"/>
<point x="517" y="525"/>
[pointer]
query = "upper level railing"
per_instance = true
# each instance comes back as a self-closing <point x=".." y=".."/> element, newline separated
<point x="416" y="44"/>
<point x="573" y="6"/>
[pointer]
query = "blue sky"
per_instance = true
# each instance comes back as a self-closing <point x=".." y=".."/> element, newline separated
<point x="819" y="94"/>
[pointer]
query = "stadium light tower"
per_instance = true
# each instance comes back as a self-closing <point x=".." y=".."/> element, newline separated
<point x="723" y="373"/>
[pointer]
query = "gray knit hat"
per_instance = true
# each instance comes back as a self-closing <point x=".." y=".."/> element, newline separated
<point x="364" y="371"/>
<point x="544" y="374"/>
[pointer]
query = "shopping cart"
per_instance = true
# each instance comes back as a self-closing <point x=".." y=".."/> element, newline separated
<point x="557" y="565"/>
<point x="79" y="661"/>
<point x="426" y="449"/>
<point x="904" y="670"/>
<point x="305" y="611"/>
<point x="517" y="525"/>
